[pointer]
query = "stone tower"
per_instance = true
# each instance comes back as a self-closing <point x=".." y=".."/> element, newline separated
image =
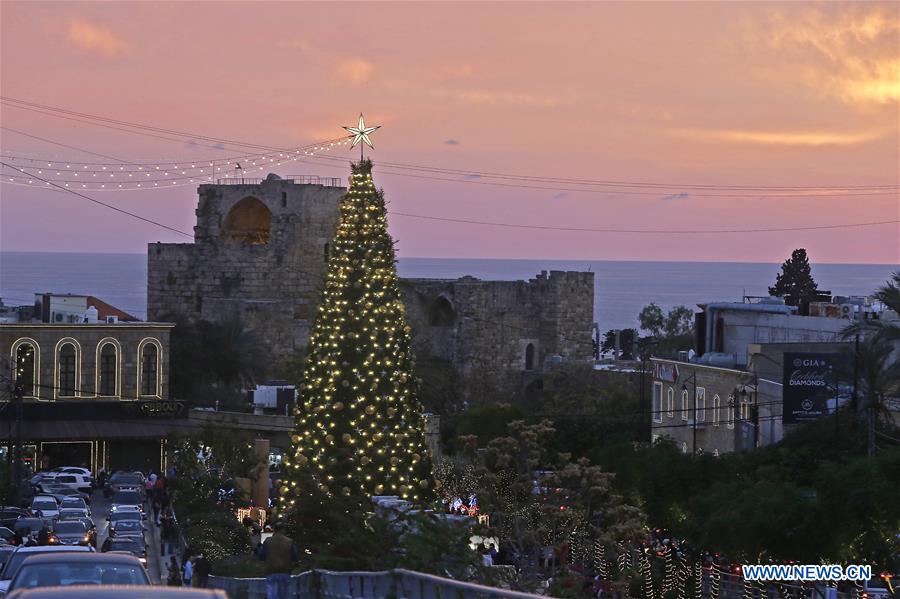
<point x="259" y="252"/>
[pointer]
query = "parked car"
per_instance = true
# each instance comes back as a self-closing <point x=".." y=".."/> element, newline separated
<point x="76" y="482"/>
<point x="15" y="561"/>
<point x="117" y="592"/>
<point x="53" y="570"/>
<point x="44" y="506"/>
<point x="73" y="532"/>
<point x="70" y="470"/>
<point x="9" y="515"/>
<point x="131" y="545"/>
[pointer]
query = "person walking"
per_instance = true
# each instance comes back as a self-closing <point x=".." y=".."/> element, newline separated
<point x="279" y="552"/>
<point x="188" y="574"/>
<point x="174" y="579"/>
<point x="201" y="571"/>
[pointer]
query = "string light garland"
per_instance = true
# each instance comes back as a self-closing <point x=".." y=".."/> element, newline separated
<point x="358" y="428"/>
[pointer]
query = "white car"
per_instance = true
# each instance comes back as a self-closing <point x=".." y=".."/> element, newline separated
<point x="71" y="470"/>
<point x="46" y="505"/>
<point x="77" y="482"/>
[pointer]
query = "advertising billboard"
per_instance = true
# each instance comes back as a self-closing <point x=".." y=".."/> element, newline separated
<point x="809" y="386"/>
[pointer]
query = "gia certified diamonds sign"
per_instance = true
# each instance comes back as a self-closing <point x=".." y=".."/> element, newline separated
<point x="809" y="386"/>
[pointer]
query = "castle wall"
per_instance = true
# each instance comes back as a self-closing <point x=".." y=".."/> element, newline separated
<point x="264" y="259"/>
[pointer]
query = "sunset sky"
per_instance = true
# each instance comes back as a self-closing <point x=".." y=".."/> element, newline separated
<point x="727" y="93"/>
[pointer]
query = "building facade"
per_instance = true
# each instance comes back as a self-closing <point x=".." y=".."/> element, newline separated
<point x="260" y="252"/>
<point x="87" y="390"/>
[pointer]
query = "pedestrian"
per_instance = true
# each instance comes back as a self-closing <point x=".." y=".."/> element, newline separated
<point x="156" y="506"/>
<point x="148" y="489"/>
<point x="279" y="552"/>
<point x="44" y="535"/>
<point x="188" y="573"/>
<point x="174" y="579"/>
<point x="201" y="571"/>
<point x="101" y="477"/>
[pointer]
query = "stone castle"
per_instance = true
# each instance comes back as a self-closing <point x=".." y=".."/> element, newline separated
<point x="260" y="252"/>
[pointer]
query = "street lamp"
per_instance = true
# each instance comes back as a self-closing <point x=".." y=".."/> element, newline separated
<point x="693" y="379"/>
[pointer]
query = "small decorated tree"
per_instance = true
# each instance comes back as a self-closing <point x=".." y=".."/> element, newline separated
<point x="358" y="429"/>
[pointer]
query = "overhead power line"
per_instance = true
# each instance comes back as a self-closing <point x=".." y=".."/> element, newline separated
<point x="645" y="231"/>
<point x="523" y="180"/>
<point x="111" y="207"/>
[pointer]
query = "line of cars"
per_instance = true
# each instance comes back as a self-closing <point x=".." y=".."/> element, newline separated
<point x="49" y="549"/>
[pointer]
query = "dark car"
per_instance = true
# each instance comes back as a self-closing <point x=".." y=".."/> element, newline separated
<point x="15" y="561"/>
<point x="53" y="570"/>
<point x="9" y="515"/>
<point x="117" y="592"/>
<point x="25" y="527"/>
<point x="73" y="532"/>
<point x="124" y="481"/>
<point x="126" y="498"/>
<point x="133" y="545"/>
<point x="74" y="514"/>
<point x="6" y="552"/>
<point x="8" y="536"/>
<point x="126" y="528"/>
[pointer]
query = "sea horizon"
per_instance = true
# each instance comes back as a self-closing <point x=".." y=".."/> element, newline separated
<point x="621" y="287"/>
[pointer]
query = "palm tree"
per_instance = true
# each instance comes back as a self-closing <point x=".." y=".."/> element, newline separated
<point x="889" y="295"/>
<point x="877" y="369"/>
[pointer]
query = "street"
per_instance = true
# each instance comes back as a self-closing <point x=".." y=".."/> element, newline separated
<point x="155" y="566"/>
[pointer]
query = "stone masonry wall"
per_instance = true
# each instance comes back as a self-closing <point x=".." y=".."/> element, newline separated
<point x="275" y="288"/>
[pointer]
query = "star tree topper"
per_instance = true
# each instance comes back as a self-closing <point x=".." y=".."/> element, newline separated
<point x="361" y="133"/>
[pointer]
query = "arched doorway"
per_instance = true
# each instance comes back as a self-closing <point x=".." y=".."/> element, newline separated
<point x="442" y="313"/>
<point x="248" y="222"/>
<point x="529" y="356"/>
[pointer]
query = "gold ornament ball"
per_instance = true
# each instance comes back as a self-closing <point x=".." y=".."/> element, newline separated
<point x="423" y="483"/>
<point x="302" y="459"/>
<point x="364" y="460"/>
<point x="346" y="438"/>
<point x="415" y="458"/>
<point x="345" y="491"/>
<point x="295" y="438"/>
<point x="395" y="460"/>
<point x="379" y="489"/>
<point x="377" y="437"/>
<point x="370" y="409"/>
<point x="391" y="412"/>
<point x="339" y="406"/>
<point x="345" y="383"/>
<point x="329" y="438"/>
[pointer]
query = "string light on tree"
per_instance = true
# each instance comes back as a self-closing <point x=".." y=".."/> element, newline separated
<point x="358" y="428"/>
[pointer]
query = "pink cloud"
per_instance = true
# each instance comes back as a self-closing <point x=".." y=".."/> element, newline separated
<point x="93" y="37"/>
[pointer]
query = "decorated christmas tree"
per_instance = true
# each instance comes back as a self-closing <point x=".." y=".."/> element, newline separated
<point x="359" y="429"/>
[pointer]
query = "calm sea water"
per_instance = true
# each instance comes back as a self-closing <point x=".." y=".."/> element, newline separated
<point x="621" y="288"/>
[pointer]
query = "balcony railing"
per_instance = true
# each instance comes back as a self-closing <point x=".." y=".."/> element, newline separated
<point x="298" y="179"/>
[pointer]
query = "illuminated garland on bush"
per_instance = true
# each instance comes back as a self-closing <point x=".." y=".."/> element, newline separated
<point x="358" y="428"/>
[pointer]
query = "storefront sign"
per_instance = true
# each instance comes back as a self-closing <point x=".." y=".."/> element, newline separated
<point x="809" y="386"/>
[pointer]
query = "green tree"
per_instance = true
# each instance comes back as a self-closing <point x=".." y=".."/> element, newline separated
<point x="795" y="283"/>
<point x="652" y="319"/>
<point x="627" y="339"/>
<point x="679" y="322"/>
<point x="358" y="429"/>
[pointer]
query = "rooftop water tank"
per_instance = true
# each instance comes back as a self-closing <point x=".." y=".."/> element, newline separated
<point x="91" y="315"/>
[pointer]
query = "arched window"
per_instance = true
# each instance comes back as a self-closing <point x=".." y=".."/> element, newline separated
<point x="529" y="357"/>
<point x="149" y="369"/>
<point x="248" y="222"/>
<point x="684" y="405"/>
<point x="729" y="417"/>
<point x="717" y="405"/>
<point x="66" y="373"/>
<point x="701" y="404"/>
<point x="108" y="370"/>
<point x="443" y="315"/>
<point x="26" y="358"/>
<point x="670" y="402"/>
